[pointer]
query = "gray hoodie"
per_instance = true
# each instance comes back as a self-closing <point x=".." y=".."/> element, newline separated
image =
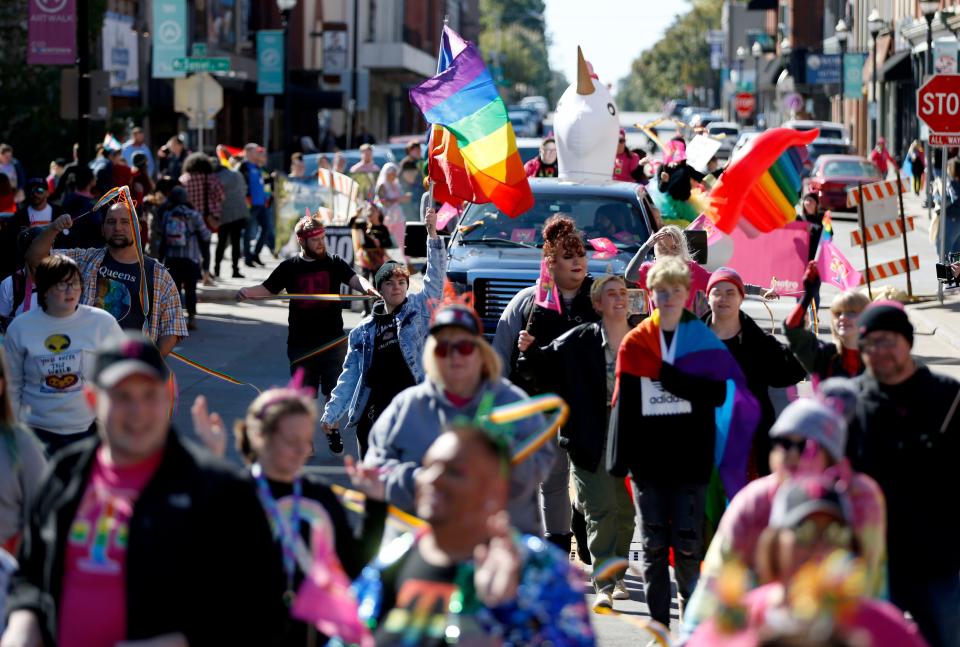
<point x="403" y="433"/>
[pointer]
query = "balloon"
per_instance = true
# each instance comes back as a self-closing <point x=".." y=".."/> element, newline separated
<point x="739" y="186"/>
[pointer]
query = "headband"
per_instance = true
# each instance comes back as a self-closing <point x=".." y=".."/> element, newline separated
<point x="311" y="233"/>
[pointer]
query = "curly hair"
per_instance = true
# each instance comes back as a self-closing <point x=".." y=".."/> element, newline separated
<point x="561" y="236"/>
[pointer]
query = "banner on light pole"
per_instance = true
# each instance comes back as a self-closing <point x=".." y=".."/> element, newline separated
<point x="853" y="63"/>
<point x="169" y="37"/>
<point x="52" y="32"/>
<point x="270" y="61"/>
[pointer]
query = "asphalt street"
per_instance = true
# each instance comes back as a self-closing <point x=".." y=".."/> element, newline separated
<point x="247" y="342"/>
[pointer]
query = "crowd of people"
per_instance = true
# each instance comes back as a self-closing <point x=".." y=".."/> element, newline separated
<point x="467" y="504"/>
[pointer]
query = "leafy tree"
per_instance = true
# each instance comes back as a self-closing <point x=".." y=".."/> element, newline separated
<point x="680" y="59"/>
<point x="513" y="39"/>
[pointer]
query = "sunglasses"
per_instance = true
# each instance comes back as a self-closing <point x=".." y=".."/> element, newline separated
<point x="464" y="347"/>
<point x="835" y="534"/>
<point x="786" y="444"/>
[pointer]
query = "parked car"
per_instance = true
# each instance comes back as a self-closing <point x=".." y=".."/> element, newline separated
<point x="744" y="142"/>
<point x="832" y="175"/>
<point x="525" y="123"/>
<point x="537" y="103"/>
<point x="496" y="256"/>
<point x="528" y="147"/>
<point x="727" y="133"/>
<point x="834" y="139"/>
<point x="381" y="155"/>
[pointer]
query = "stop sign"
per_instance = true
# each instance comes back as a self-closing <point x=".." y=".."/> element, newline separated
<point x="938" y="103"/>
<point x="745" y="103"/>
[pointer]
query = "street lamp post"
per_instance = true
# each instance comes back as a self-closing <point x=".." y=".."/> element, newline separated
<point x="874" y="24"/>
<point x="286" y="8"/>
<point x="928" y="8"/>
<point x="786" y="50"/>
<point x="756" y="49"/>
<point x="842" y="34"/>
<point x="741" y="55"/>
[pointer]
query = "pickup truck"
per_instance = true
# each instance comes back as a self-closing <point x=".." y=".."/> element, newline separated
<point x="495" y="256"/>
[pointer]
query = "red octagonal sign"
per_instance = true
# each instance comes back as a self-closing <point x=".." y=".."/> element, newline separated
<point x="745" y="103"/>
<point x="938" y="103"/>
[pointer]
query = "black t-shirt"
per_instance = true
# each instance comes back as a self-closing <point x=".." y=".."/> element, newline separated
<point x="388" y="373"/>
<point x="312" y="323"/>
<point x="416" y="600"/>
<point x="381" y="234"/>
<point x="118" y="292"/>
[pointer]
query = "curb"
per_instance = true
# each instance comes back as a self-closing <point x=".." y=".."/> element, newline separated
<point x="939" y="330"/>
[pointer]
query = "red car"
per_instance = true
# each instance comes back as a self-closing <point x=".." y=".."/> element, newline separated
<point x="832" y="175"/>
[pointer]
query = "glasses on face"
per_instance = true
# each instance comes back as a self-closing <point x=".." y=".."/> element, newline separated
<point x="464" y="347"/>
<point x="63" y="286"/>
<point x="880" y="344"/>
<point x="786" y="444"/>
<point x="835" y="534"/>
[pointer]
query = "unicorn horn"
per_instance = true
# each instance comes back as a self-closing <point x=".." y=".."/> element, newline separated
<point x="584" y="82"/>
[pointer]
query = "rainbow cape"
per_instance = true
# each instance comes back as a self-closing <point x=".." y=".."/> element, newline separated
<point x="761" y="189"/>
<point x="464" y="99"/>
<point x="702" y="354"/>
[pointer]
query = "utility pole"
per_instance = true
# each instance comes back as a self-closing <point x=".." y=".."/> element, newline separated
<point x="83" y="79"/>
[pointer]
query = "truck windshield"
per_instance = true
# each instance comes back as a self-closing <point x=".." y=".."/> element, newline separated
<point x="617" y="220"/>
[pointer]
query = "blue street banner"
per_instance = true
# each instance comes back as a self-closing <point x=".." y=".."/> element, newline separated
<point x="270" y="61"/>
<point x="853" y="63"/>
<point x="169" y="36"/>
<point x="823" y="69"/>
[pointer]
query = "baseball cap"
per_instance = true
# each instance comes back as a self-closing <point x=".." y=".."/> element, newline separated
<point x="132" y="354"/>
<point x="456" y="315"/>
<point x="36" y="184"/>
<point x="801" y="497"/>
<point x="813" y="420"/>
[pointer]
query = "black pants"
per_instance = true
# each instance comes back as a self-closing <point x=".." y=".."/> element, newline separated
<point x="185" y="273"/>
<point x="320" y="371"/>
<point x="232" y="233"/>
<point x="54" y="442"/>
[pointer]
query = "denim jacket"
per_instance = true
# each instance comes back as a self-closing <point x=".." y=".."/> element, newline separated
<point x="349" y="396"/>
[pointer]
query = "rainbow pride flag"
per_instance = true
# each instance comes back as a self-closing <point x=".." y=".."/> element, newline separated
<point x="464" y="100"/>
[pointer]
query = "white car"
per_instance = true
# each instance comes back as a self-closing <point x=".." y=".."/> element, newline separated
<point x="727" y="133"/>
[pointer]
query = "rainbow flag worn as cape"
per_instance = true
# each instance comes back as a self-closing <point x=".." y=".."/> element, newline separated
<point x="464" y="100"/>
<point x="700" y="353"/>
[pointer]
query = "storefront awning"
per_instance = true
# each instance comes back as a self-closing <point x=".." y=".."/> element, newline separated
<point x="897" y="67"/>
<point x="884" y="43"/>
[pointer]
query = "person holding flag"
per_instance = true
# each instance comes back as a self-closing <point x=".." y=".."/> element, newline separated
<point x="136" y="289"/>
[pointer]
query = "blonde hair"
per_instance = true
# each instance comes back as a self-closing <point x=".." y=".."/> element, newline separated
<point x="596" y="290"/>
<point x="846" y="301"/>
<point x="668" y="271"/>
<point x="675" y="234"/>
<point x="265" y="413"/>
<point x="491" y="365"/>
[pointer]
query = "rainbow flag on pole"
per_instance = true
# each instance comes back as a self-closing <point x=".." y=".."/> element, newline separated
<point x="464" y="99"/>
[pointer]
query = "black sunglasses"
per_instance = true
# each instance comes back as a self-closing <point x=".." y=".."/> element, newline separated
<point x="787" y="443"/>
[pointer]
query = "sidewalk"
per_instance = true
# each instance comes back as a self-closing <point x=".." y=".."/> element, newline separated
<point x="943" y="321"/>
<point x="226" y="287"/>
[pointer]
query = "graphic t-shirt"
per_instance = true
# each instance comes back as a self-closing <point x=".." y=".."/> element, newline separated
<point x="118" y="292"/>
<point x="312" y="323"/>
<point x="389" y="373"/>
<point x="416" y="603"/>
<point x="93" y="605"/>
<point x="40" y="217"/>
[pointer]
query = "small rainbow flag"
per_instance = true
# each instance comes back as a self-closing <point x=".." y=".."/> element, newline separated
<point x="224" y="153"/>
<point x="464" y="99"/>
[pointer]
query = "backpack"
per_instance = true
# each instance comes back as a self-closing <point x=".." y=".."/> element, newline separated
<point x="175" y="230"/>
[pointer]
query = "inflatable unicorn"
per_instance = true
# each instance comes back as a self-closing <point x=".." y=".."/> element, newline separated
<point x="586" y="127"/>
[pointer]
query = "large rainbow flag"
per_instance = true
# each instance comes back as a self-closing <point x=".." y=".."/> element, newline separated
<point x="464" y="99"/>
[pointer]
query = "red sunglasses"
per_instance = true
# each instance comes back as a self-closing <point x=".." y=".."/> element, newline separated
<point x="464" y="347"/>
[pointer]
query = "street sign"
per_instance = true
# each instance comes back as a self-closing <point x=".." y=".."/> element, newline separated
<point x="792" y="102"/>
<point x="823" y="69"/>
<point x="201" y="64"/>
<point x="199" y="97"/>
<point x="944" y="139"/>
<point x="938" y="104"/>
<point x="745" y="103"/>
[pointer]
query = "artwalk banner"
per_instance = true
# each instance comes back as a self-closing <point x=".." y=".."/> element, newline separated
<point x="52" y="32"/>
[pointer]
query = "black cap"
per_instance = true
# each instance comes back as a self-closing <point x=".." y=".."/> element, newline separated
<point x="36" y="184"/>
<point x="384" y="273"/>
<point x="460" y="316"/>
<point x="132" y="354"/>
<point x="887" y="316"/>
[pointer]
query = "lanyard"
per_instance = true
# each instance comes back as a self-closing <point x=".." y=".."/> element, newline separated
<point x="285" y="533"/>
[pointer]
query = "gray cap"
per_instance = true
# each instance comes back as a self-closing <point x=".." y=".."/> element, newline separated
<point x="840" y="394"/>
<point x="816" y="421"/>
<point x="799" y="498"/>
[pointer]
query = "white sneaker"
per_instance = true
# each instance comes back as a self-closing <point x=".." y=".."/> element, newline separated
<point x="620" y="591"/>
<point x="603" y="602"/>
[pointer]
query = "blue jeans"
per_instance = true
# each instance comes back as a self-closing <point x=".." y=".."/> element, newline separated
<point x="932" y="601"/>
<point x="261" y="221"/>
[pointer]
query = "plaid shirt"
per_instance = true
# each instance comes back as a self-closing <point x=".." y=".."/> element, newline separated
<point x="193" y="182"/>
<point x="166" y="314"/>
